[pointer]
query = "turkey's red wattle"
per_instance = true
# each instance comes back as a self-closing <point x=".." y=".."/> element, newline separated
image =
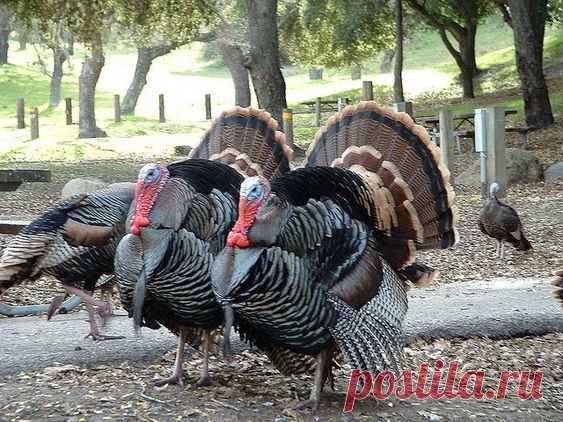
<point x="247" y="215"/>
<point x="145" y="196"/>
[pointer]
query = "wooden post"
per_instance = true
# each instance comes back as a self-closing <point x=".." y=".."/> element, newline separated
<point x="491" y="143"/>
<point x="20" y="111"/>
<point x="161" y="116"/>
<point x="116" y="108"/>
<point x="207" y="106"/>
<point x="447" y="140"/>
<point x="68" y="110"/>
<point x="405" y="107"/>
<point x="342" y="103"/>
<point x="367" y="91"/>
<point x="34" y="122"/>
<point x="288" y="126"/>
<point x="318" y="112"/>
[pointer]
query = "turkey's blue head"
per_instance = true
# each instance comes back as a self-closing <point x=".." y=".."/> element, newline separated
<point x="152" y="178"/>
<point x="254" y="192"/>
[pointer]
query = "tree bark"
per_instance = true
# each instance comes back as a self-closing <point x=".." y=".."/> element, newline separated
<point x="398" y="92"/>
<point x="5" y="29"/>
<point x="59" y="57"/>
<point x="145" y="57"/>
<point x="89" y="75"/>
<point x="464" y="35"/>
<point x="22" y="38"/>
<point x="234" y="60"/>
<point x="264" y="61"/>
<point x="528" y="21"/>
<point x="387" y="60"/>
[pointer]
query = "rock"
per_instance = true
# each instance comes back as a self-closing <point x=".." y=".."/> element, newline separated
<point x="554" y="173"/>
<point x="82" y="185"/>
<point x="182" y="149"/>
<point x="521" y="167"/>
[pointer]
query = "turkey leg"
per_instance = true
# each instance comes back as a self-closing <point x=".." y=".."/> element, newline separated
<point x="204" y="379"/>
<point x="178" y="376"/>
<point x="322" y="372"/>
<point x="103" y="308"/>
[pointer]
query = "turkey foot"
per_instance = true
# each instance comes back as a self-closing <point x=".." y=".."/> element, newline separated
<point x="203" y="381"/>
<point x="96" y="336"/>
<point x="312" y="404"/>
<point x="175" y="379"/>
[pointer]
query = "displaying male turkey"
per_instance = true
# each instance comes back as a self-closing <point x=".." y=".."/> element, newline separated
<point x="501" y="222"/>
<point x="180" y="219"/>
<point x="95" y="221"/>
<point x="312" y="262"/>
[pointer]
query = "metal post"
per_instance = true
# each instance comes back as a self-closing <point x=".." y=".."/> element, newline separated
<point x="68" y="110"/>
<point x="481" y="147"/>
<point x="405" y="107"/>
<point x="447" y="139"/>
<point x="288" y="126"/>
<point x="208" y="106"/>
<point x="161" y="115"/>
<point x="116" y="108"/>
<point x="20" y="111"/>
<point x="318" y="112"/>
<point x="367" y="91"/>
<point x="34" y="122"/>
<point x="496" y="149"/>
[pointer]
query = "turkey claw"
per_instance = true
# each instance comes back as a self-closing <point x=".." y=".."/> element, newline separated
<point x="203" y="382"/>
<point x="172" y="380"/>
<point x="102" y="337"/>
<point x="308" y="404"/>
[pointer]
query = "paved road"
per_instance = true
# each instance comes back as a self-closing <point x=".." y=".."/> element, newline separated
<point x="496" y="309"/>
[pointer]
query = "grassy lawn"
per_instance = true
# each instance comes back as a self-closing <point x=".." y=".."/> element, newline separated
<point x="184" y="78"/>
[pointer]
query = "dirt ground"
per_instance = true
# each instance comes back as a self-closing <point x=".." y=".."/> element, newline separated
<point x="246" y="387"/>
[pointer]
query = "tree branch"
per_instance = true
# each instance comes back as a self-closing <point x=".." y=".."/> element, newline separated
<point x="504" y="10"/>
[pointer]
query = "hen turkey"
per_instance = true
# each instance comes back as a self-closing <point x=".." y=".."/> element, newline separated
<point x="316" y="260"/>
<point x="95" y="221"/>
<point x="501" y="222"/>
<point x="180" y="219"/>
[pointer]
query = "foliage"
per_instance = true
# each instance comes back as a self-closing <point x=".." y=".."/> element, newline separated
<point x="146" y="21"/>
<point x="334" y="32"/>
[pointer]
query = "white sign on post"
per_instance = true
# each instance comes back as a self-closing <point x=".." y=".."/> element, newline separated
<point x="481" y="130"/>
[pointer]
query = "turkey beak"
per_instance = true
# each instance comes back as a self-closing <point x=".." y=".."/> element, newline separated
<point x="227" y="349"/>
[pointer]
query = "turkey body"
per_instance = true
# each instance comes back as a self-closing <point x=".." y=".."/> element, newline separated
<point x="502" y="223"/>
<point x="317" y="258"/>
<point x="46" y="245"/>
<point x="180" y="220"/>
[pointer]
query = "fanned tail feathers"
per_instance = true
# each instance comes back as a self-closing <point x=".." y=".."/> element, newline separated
<point x="557" y="282"/>
<point x="248" y="140"/>
<point x="404" y="170"/>
<point x="371" y="337"/>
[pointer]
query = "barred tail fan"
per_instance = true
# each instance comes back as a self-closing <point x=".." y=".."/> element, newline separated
<point x="248" y="140"/>
<point x="404" y="170"/>
<point x="371" y="336"/>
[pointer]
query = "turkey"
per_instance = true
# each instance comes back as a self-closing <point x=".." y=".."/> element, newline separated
<point x="501" y="222"/>
<point x="318" y="259"/>
<point x="180" y="219"/>
<point x="557" y="282"/>
<point x="94" y="223"/>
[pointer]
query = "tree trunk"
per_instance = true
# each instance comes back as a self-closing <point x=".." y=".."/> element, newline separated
<point x="22" y="38"/>
<point x="89" y="75"/>
<point x="5" y="29"/>
<point x="398" y="92"/>
<point x="234" y="60"/>
<point x="387" y="60"/>
<point x="145" y="57"/>
<point x="356" y="72"/>
<point x="528" y="21"/>
<point x="264" y="61"/>
<point x="59" y="57"/>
